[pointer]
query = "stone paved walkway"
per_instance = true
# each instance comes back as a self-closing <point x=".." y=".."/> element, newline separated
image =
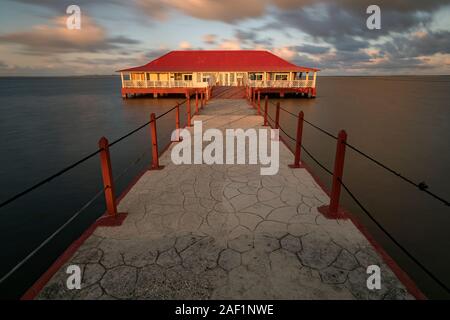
<point x="226" y="232"/>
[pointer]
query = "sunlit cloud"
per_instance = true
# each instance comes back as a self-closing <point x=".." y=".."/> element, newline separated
<point x="327" y="34"/>
<point x="55" y="37"/>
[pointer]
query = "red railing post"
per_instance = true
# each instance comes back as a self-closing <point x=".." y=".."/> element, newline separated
<point x="266" y="106"/>
<point x="298" y="142"/>
<point x="177" y="122"/>
<point x="196" y="101"/>
<point x="155" y="154"/>
<point x="108" y="182"/>
<point x="259" y="102"/>
<point x="201" y="100"/>
<point x="338" y="172"/>
<point x="331" y="211"/>
<point x="188" y="111"/>
<point x="277" y="116"/>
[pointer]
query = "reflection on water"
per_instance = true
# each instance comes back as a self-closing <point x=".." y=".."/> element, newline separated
<point x="48" y="123"/>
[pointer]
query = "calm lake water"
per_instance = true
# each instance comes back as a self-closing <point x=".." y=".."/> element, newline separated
<point x="49" y="123"/>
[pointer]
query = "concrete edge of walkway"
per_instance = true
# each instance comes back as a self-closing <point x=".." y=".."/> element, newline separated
<point x="36" y="288"/>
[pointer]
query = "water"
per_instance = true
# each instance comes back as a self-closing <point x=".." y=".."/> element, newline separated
<point x="48" y="123"/>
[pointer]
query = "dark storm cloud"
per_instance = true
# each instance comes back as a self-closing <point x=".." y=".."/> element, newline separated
<point x="122" y="40"/>
<point x="422" y="44"/>
<point x="312" y="49"/>
<point x="342" y="24"/>
<point x="332" y="22"/>
<point x="252" y="37"/>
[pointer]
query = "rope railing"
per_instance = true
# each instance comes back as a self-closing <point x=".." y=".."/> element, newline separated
<point x="338" y="178"/>
<point x="108" y="180"/>
<point x="422" y="186"/>
<point x="52" y="236"/>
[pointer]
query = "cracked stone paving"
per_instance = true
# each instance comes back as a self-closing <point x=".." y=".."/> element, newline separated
<point x="226" y="232"/>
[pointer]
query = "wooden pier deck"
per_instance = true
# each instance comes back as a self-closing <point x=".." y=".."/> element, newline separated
<point x="226" y="232"/>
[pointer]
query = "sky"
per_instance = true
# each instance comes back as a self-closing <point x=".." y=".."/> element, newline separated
<point x="414" y="38"/>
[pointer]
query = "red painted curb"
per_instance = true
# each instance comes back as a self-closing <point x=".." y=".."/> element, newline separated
<point x="107" y="221"/>
<point x="104" y="221"/>
<point x="404" y="278"/>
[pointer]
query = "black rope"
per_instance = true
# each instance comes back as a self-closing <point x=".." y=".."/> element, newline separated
<point x="422" y="186"/>
<point x="129" y="133"/>
<point x="291" y="113"/>
<point x="168" y="111"/>
<point x="425" y="269"/>
<point x="321" y="130"/>
<point x="304" y="149"/>
<point x="53" y="235"/>
<point x="142" y="126"/>
<point x="310" y="123"/>
<point x="46" y="180"/>
<point x="77" y="163"/>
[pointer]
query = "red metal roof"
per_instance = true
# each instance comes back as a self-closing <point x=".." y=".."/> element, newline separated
<point x="219" y="60"/>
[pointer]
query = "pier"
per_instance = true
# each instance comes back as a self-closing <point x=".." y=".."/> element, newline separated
<point x="225" y="232"/>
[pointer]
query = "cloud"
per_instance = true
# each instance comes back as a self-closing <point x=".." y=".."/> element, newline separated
<point x="185" y="45"/>
<point x="312" y="49"/>
<point x="285" y="52"/>
<point x="61" y="5"/>
<point x="227" y="11"/>
<point x="210" y="39"/>
<point x="230" y="44"/>
<point x="56" y="38"/>
<point x="252" y="38"/>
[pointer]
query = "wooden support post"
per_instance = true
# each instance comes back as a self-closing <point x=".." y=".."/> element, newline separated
<point x="259" y="102"/>
<point x="155" y="154"/>
<point x="277" y="116"/>
<point x="266" y="106"/>
<point x="298" y="142"/>
<point x="108" y="181"/>
<point x="332" y="211"/>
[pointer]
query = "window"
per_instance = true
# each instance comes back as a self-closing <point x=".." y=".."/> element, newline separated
<point x="187" y="77"/>
<point x="282" y="76"/>
<point x="256" y="76"/>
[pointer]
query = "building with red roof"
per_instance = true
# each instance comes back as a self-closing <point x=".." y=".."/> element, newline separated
<point x="199" y="70"/>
